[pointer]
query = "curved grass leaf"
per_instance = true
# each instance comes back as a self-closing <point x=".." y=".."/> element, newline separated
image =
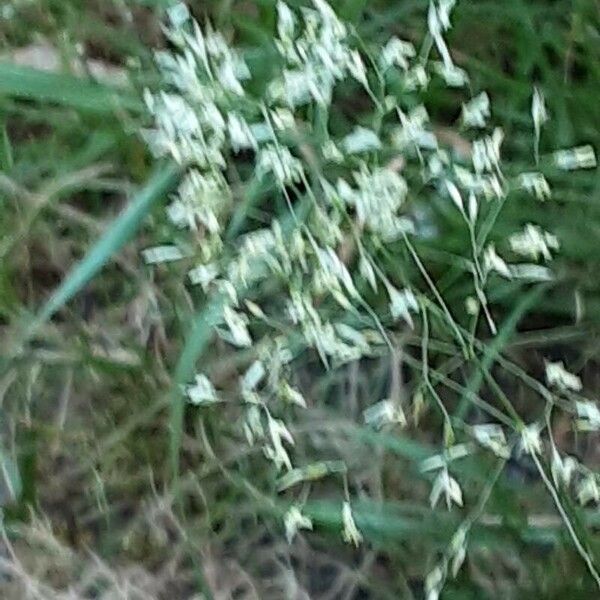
<point x="65" y="90"/>
<point x="393" y="522"/>
<point x="121" y="230"/>
<point x="201" y="332"/>
<point x="491" y="351"/>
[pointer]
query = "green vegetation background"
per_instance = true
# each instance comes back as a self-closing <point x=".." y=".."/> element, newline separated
<point x="88" y="349"/>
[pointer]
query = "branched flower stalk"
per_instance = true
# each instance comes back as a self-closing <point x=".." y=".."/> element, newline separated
<point x="277" y="196"/>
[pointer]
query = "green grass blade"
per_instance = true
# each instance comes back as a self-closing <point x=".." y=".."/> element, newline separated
<point x="202" y="330"/>
<point x="502" y="338"/>
<point x="399" y="445"/>
<point x="392" y="522"/>
<point x="200" y="335"/>
<point x="6" y="151"/>
<point x="124" y="226"/>
<point x="10" y="480"/>
<point x="65" y="90"/>
<point x="353" y="9"/>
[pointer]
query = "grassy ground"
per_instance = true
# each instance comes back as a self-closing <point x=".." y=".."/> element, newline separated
<point x="88" y="349"/>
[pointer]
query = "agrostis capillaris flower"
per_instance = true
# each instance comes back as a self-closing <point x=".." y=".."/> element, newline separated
<point x="336" y="201"/>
